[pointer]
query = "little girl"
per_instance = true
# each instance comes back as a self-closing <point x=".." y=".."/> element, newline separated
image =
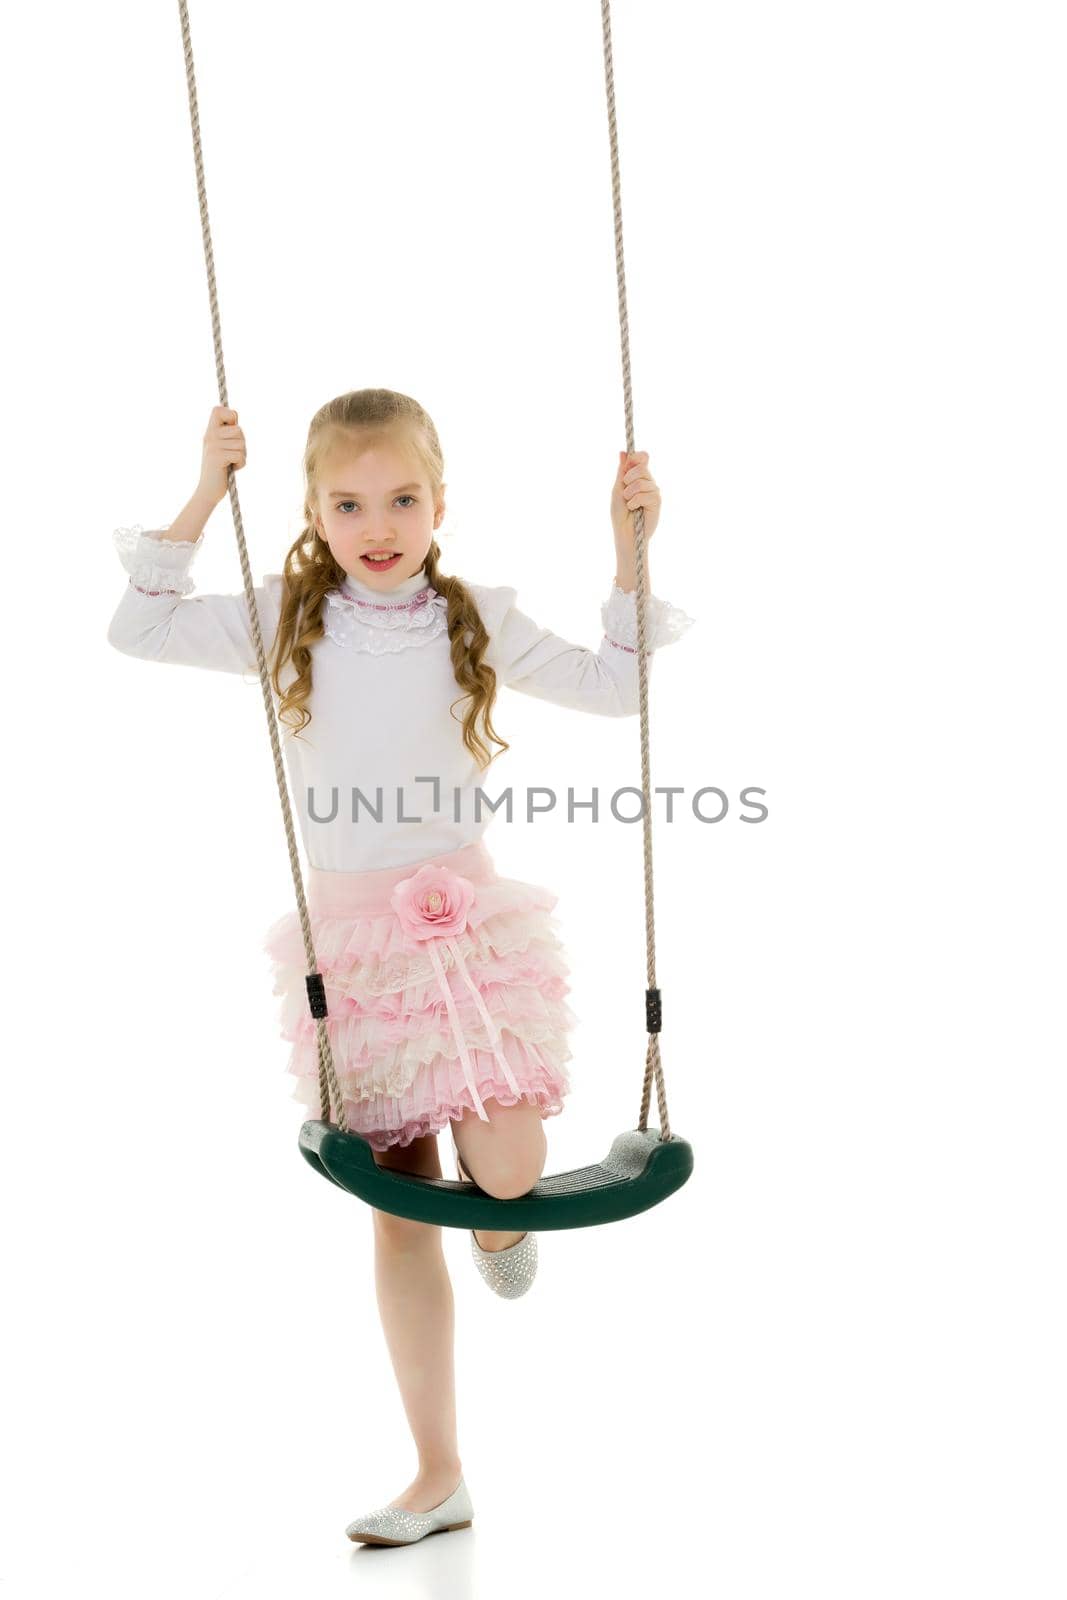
<point x="445" y="982"/>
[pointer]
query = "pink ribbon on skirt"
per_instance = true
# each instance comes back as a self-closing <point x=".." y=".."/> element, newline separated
<point x="457" y="1027"/>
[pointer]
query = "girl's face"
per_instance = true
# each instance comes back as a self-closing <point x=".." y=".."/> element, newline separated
<point x="377" y="502"/>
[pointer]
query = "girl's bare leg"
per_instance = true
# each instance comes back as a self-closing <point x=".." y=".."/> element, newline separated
<point x="506" y="1156"/>
<point x="418" y="1319"/>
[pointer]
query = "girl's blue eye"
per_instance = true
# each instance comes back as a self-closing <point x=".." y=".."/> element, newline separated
<point x="342" y="503"/>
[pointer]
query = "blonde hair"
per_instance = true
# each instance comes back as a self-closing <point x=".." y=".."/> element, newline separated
<point x="311" y="570"/>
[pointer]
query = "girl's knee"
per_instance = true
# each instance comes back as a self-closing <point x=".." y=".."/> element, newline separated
<point x="506" y="1157"/>
<point x="511" y="1182"/>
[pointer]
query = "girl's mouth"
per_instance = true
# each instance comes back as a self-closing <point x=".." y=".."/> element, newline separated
<point x="379" y="565"/>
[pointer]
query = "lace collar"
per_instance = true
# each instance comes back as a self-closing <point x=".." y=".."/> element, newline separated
<point x="361" y="618"/>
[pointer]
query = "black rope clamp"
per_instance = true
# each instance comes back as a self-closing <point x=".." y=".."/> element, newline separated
<point x="316" y="994"/>
<point x="653" y="1011"/>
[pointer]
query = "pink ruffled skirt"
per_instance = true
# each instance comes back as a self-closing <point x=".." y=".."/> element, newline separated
<point x="445" y="988"/>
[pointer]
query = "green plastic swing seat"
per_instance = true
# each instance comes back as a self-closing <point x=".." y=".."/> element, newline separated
<point x="639" y="1171"/>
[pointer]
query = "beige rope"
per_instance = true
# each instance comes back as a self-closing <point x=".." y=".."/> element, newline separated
<point x="327" y="1076"/>
<point x="653" y="1065"/>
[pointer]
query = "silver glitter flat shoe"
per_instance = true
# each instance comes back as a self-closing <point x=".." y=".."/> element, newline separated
<point x="391" y="1525"/>
<point x="509" y="1273"/>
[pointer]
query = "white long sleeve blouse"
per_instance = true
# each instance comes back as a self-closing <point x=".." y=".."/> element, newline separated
<point x="381" y="777"/>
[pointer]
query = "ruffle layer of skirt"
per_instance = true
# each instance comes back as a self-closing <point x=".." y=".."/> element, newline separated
<point x="372" y="956"/>
<point x="394" y="1046"/>
<point x="440" y="1092"/>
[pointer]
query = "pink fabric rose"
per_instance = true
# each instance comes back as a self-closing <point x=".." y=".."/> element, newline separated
<point x="433" y="903"/>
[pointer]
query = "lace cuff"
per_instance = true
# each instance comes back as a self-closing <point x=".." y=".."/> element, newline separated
<point x="664" y="623"/>
<point x="156" y="565"/>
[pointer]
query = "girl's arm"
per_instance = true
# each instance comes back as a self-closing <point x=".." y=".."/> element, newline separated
<point x="158" y="619"/>
<point x="536" y="661"/>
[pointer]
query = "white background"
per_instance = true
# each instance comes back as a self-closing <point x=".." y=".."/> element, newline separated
<point x="832" y="1365"/>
